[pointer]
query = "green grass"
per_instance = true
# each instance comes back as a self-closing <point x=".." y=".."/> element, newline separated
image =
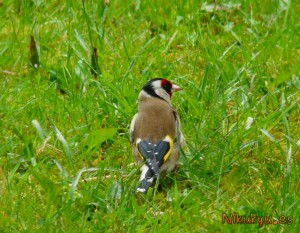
<point x="65" y="158"/>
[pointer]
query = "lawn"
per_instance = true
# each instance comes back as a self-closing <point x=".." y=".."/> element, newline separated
<point x="70" y="74"/>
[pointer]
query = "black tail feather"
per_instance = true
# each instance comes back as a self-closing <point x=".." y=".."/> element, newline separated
<point x="154" y="156"/>
<point x="146" y="180"/>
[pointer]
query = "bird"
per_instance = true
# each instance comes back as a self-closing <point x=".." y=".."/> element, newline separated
<point x="155" y="131"/>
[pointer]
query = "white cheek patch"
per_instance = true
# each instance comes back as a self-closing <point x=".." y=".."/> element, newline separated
<point x="156" y="84"/>
<point x="163" y="94"/>
<point x="144" y="94"/>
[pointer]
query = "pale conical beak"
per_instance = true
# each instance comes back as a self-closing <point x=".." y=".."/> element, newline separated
<point x="176" y="88"/>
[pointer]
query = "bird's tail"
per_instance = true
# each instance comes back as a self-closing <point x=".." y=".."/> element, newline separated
<point x="154" y="156"/>
<point x="147" y="151"/>
<point x="146" y="179"/>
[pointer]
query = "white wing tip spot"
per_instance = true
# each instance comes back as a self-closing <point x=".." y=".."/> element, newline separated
<point x="141" y="190"/>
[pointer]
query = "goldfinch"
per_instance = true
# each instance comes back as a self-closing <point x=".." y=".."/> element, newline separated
<point x="155" y="132"/>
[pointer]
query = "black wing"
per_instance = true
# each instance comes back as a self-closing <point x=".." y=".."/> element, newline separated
<point x="155" y="154"/>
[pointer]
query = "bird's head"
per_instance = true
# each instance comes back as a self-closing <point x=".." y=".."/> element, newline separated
<point x="159" y="88"/>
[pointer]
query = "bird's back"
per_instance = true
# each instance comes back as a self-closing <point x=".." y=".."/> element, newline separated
<point x="155" y="120"/>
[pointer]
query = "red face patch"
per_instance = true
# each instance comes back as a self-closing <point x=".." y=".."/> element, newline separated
<point x="166" y="85"/>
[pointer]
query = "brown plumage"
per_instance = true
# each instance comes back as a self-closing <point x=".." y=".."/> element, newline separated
<point x="156" y="128"/>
